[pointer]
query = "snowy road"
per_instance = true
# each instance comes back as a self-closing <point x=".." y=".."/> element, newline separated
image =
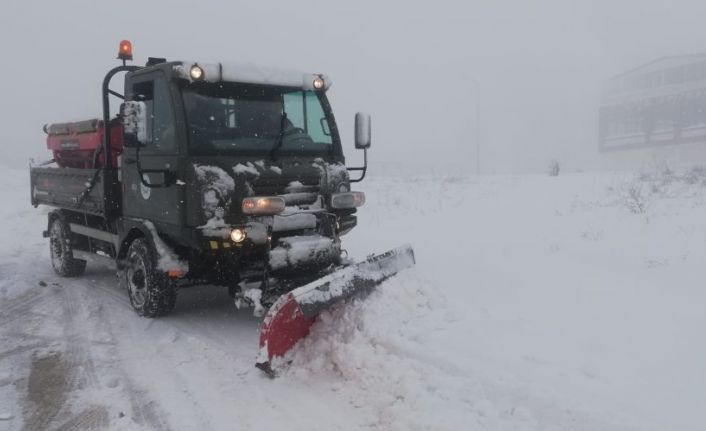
<point x="537" y="303"/>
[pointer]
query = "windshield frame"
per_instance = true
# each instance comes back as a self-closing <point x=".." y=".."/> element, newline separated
<point x="335" y="151"/>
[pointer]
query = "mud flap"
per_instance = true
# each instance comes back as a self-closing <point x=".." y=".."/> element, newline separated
<point x="291" y="316"/>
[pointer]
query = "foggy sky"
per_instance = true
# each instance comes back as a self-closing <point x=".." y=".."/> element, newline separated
<point x="539" y="66"/>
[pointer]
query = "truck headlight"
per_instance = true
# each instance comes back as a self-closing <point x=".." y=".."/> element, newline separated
<point x="347" y="200"/>
<point x="263" y="205"/>
<point x="237" y="235"/>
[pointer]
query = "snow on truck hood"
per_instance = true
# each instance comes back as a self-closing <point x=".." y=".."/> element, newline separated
<point x="252" y="74"/>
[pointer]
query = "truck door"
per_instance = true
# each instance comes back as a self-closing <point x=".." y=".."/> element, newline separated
<point x="160" y="152"/>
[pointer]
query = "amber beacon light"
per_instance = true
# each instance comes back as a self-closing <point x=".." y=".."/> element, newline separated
<point x="125" y="50"/>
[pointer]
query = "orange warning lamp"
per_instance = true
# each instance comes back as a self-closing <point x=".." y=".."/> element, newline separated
<point x="125" y="50"/>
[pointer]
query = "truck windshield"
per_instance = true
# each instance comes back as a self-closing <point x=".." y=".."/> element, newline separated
<point x="227" y="119"/>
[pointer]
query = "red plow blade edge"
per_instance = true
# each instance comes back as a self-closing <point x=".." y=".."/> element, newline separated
<point x="291" y="316"/>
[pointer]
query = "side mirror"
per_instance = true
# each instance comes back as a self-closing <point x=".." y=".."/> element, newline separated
<point x="362" y="131"/>
<point x="134" y="118"/>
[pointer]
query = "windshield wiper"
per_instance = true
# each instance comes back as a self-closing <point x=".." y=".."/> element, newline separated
<point x="280" y="136"/>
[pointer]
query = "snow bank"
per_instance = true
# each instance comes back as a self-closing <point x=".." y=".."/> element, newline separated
<point x="540" y="303"/>
<point x="373" y="353"/>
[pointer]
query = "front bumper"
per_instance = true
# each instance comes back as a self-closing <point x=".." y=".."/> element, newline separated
<point x="304" y="252"/>
<point x="277" y="245"/>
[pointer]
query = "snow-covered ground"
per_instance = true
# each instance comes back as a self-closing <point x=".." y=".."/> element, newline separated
<point x="537" y="303"/>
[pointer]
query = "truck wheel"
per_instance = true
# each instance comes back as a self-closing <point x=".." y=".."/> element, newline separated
<point x="151" y="292"/>
<point x="62" y="255"/>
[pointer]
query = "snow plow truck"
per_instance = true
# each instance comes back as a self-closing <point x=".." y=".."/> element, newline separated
<point x="212" y="174"/>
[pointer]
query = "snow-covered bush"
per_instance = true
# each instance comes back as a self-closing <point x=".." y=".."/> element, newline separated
<point x="695" y="175"/>
<point x="636" y="199"/>
<point x="638" y="192"/>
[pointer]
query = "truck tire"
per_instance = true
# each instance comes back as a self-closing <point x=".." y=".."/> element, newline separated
<point x="62" y="253"/>
<point x="151" y="292"/>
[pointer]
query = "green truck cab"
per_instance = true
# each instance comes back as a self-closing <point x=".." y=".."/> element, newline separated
<point x="231" y="175"/>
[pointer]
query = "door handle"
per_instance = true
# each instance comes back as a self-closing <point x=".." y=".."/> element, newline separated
<point x="168" y="176"/>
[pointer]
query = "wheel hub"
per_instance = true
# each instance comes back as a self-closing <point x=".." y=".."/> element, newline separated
<point x="137" y="281"/>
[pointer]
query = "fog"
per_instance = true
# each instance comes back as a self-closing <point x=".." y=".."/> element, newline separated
<point x="534" y="68"/>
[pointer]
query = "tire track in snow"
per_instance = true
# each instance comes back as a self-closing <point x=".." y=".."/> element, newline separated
<point x="197" y="363"/>
<point x="132" y="329"/>
<point x="92" y="418"/>
<point x="56" y="377"/>
<point x="113" y="313"/>
<point x="21" y="306"/>
<point x="54" y="334"/>
<point x="100" y="296"/>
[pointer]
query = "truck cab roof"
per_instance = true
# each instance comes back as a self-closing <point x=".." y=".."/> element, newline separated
<point x="246" y="73"/>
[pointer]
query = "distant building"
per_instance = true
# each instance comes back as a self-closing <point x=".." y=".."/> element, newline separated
<point x="659" y="108"/>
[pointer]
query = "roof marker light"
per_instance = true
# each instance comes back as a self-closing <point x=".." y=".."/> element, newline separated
<point x="196" y="72"/>
<point x="318" y="83"/>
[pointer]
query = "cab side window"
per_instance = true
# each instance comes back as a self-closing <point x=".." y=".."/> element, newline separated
<point x="161" y="130"/>
<point x="304" y="111"/>
<point x="317" y="125"/>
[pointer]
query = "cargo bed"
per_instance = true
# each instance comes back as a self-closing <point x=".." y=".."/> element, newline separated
<point x="68" y="188"/>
